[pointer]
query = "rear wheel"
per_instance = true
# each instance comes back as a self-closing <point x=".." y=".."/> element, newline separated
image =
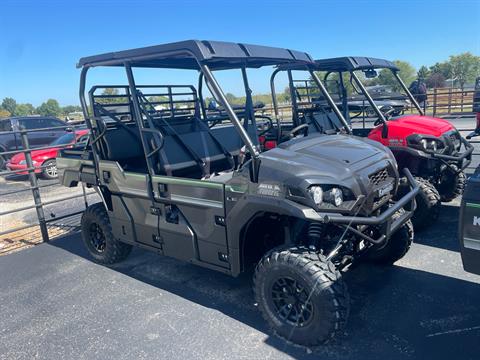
<point x="452" y="184"/>
<point x="98" y="237"/>
<point x="301" y="295"/>
<point x="49" y="169"/>
<point x="396" y="247"/>
<point x="428" y="204"/>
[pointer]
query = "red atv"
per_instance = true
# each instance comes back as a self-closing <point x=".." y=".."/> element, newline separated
<point x="431" y="148"/>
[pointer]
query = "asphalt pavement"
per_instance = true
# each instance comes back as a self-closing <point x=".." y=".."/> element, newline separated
<point x="56" y="303"/>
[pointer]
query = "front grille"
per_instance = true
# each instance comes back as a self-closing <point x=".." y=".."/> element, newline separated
<point x="379" y="176"/>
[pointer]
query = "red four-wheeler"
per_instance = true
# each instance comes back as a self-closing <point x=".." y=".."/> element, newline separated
<point x="431" y="148"/>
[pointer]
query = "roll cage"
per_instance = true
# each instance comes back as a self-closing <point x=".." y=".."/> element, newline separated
<point x="296" y="95"/>
<point x="139" y="109"/>
<point x="350" y="65"/>
<point x="306" y="88"/>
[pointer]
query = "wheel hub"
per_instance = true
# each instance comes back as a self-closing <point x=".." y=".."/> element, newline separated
<point x="292" y="301"/>
<point x="97" y="238"/>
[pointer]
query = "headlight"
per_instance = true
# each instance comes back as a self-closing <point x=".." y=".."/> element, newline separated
<point x="22" y="162"/>
<point x="317" y="194"/>
<point x="332" y="196"/>
<point x="423" y="142"/>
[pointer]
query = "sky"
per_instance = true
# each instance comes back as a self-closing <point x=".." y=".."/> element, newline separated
<point x="42" y="40"/>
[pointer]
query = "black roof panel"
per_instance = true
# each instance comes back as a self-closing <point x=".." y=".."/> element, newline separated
<point x="188" y="54"/>
<point x="351" y="63"/>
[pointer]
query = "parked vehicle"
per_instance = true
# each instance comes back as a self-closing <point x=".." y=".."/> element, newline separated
<point x="46" y="129"/>
<point x="44" y="160"/>
<point x="469" y="225"/>
<point x="175" y="181"/>
<point x="431" y="148"/>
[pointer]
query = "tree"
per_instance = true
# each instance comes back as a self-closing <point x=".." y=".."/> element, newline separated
<point x="465" y="67"/>
<point x="9" y="104"/>
<point x="24" y="109"/>
<point x="50" y="108"/>
<point x="4" y="113"/>
<point x="70" y="109"/>
<point x="435" y="80"/>
<point x="385" y="77"/>
<point x="423" y="72"/>
<point x="111" y="98"/>
<point x="443" y="68"/>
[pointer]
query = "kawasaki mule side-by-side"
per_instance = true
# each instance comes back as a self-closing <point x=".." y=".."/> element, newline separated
<point x="431" y="148"/>
<point x="183" y="182"/>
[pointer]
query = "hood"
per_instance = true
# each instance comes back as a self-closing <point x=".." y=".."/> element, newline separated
<point x="325" y="159"/>
<point x="424" y="125"/>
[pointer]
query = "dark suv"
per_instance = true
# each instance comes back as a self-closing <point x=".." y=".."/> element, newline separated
<point x="46" y="129"/>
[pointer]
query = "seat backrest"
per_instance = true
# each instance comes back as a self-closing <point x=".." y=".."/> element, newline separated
<point x="188" y="139"/>
<point x="327" y="121"/>
<point x="125" y="147"/>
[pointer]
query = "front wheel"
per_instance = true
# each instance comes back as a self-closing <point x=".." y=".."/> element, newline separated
<point x="428" y="203"/>
<point x="396" y="247"/>
<point x="452" y="184"/>
<point x="98" y="237"/>
<point x="301" y="295"/>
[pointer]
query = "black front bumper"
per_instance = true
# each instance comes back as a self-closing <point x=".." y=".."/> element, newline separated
<point x="388" y="225"/>
<point x="460" y="160"/>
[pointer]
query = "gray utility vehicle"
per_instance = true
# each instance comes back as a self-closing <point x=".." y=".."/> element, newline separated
<point x="431" y="148"/>
<point x="178" y="179"/>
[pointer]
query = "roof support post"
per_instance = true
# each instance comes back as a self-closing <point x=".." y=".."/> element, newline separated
<point x="409" y="94"/>
<point x="139" y="121"/>
<point x="222" y="99"/>
<point x="369" y="98"/>
<point x="330" y="101"/>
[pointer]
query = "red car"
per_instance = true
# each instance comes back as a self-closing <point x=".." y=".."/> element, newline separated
<point x="44" y="160"/>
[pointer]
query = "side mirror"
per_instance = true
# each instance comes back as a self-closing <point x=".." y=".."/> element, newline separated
<point x="385" y="131"/>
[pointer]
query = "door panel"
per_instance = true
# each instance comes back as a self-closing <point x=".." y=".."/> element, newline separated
<point x="200" y="204"/>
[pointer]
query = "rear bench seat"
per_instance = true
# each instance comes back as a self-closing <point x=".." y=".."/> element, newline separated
<point x="174" y="159"/>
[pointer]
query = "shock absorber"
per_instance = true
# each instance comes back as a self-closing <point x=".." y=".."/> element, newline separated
<point x="314" y="233"/>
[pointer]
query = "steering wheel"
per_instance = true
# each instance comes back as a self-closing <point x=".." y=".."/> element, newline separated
<point x="269" y="126"/>
<point x="296" y="129"/>
<point x="389" y="110"/>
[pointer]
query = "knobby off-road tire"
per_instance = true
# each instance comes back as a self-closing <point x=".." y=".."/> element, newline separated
<point x="98" y="237"/>
<point x="286" y="279"/>
<point x="428" y="203"/>
<point x="452" y="185"/>
<point x="396" y="247"/>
